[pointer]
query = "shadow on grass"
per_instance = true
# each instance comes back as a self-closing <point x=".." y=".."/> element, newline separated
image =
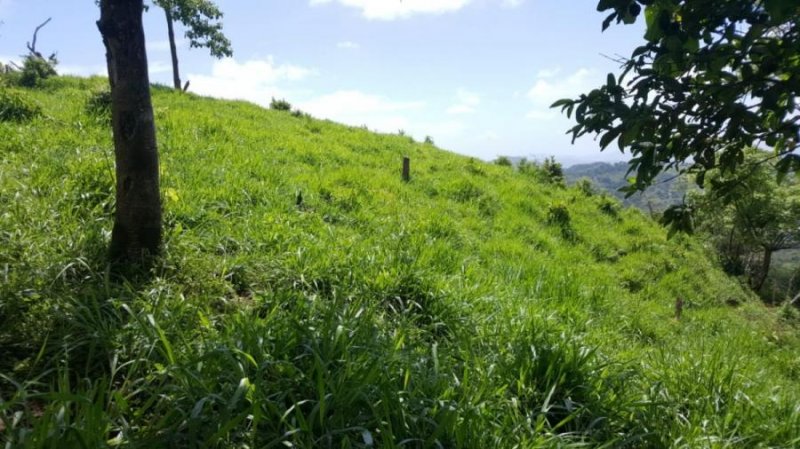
<point x="68" y="314"/>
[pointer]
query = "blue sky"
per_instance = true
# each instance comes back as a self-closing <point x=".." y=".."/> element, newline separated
<point x="476" y="75"/>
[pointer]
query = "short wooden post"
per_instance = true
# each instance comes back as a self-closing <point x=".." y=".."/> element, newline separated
<point x="678" y="308"/>
<point x="406" y="169"/>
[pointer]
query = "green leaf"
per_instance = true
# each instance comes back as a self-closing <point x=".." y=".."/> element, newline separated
<point x="609" y="137"/>
<point x="781" y="10"/>
<point x="610" y="81"/>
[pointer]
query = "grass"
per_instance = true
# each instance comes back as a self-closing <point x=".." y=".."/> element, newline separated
<point x="308" y="297"/>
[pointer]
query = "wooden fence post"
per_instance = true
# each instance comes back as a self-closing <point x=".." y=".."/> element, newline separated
<point x="406" y="169"/>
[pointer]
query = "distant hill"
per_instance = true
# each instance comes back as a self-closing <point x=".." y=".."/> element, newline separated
<point x="666" y="191"/>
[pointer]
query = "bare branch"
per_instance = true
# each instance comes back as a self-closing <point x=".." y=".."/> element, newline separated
<point x="32" y="45"/>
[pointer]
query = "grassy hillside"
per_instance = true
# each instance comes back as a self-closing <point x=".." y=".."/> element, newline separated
<point x="308" y="297"/>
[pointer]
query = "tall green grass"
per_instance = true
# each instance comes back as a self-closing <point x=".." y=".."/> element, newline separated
<point x="308" y="297"/>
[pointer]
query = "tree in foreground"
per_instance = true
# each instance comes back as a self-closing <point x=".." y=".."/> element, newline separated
<point x="712" y="79"/>
<point x="758" y="217"/>
<point x="201" y="19"/>
<point x="137" y="221"/>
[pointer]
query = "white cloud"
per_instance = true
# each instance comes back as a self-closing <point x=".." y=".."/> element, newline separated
<point x="163" y="46"/>
<point x="82" y="70"/>
<point x="548" y="89"/>
<point x="512" y="3"/>
<point x="359" y="108"/>
<point x="466" y="102"/>
<point x="255" y="80"/>
<point x="348" y="45"/>
<point x="549" y="72"/>
<point x="396" y="9"/>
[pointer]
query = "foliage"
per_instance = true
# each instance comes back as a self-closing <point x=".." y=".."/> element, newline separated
<point x="668" y="188"/>
<point x="99" y="105"/>
<point x="503" y="161"/>
<point x="15" y="106"/>
<point x="584" y="185"/>
<point x="748" y="216"/>
<point x="558" y="215"/>
<point x="202" y="21"/>
<point x="280" y="105"/>
<point x="711" y="80"/>
<point x="373" y="313"/>
<point x="553" y="170"/>
<point x="36" y="69"/>
<point x="428" y="140"/>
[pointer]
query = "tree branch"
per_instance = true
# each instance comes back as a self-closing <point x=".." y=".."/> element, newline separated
<point x="32" y="45"/>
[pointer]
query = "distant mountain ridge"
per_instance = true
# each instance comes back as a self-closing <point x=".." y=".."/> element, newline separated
<point x="668" y="189"/>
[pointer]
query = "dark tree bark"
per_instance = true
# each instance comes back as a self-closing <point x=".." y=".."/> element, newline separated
<point x="176" y="75"/>
<point x="137" y="222"/>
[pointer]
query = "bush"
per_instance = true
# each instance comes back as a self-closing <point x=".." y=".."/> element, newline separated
<point x="99" y="105"/>
<point x="428" y="140"/>
<point x="554" y="170"/>
<point x="584" y="185"/>
<point x="609" y="206"/>
<point x="36" y="69"/>
<point x="558" y="215"/>
<point x="503" y="161"/>
<point x="14" y="106"/>
<point x="280" y="105"/>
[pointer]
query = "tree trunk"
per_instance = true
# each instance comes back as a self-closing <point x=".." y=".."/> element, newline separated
<point x="764" y="272"/>
<point x="137" y="221"/>
<point x="176" y="74"/>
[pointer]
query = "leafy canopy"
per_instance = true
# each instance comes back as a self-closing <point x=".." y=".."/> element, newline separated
<point x="201" y="19"/>
<point x="712" y="79"/>
<point x="748" y="214"/>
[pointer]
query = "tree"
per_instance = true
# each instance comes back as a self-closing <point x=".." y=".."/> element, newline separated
<point x="200" y="17"/>
<point x="712" y="79"/>
<point x="749" y="216"/>
<point x="137" y="221"/>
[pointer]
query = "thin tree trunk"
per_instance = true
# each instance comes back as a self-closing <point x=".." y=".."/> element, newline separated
<point x="765" y="264"/>
<point x="137" y="221"/>
<point x="176" y="75"/>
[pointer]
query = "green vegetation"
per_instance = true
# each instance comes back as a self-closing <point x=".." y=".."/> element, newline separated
<point x="710" y="81"/>
<point x="308" y="297"/>
<point x="668" y="188"/>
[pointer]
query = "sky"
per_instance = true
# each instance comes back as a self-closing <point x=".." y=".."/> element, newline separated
<point x="477" y="76"/>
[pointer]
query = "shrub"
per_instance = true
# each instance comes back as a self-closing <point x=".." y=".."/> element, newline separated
<point x="428" y="140"/>
<point x="14" y="106"/>
<point x="99" y="105"/>
<point x="584" y="185"/>
<point x="36" y="69"/>
<point x="554" y="170"/>
<point x="608" y="206"/>
<point x="558" y="215"/>
<point x="503" y="161"/>
<point x="300" y="114"/>
<point x="280" y="105"/>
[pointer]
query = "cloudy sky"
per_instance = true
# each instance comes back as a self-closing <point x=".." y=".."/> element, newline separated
<point x="476" y="75"/>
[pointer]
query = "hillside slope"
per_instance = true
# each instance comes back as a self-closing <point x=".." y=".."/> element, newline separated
<point x="308" y="297"/>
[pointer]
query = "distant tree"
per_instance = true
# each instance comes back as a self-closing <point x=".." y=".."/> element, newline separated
<point x="712" y="79"/>
<point x="504" y="161"/>
<point x="137" y="220"/>
<point x="553" y="170"/>
<point x="749" y="216"/>
<point x="35" y="67"/>
<point x="201" y="19"/>
<point x="280" y="105"/>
